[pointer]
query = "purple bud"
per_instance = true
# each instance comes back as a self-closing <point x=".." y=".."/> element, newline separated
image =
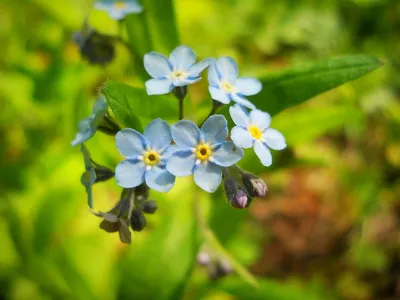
<point x="236" y="196"/>
<point x="255" y="186"/>
<point x="241" y="200"/>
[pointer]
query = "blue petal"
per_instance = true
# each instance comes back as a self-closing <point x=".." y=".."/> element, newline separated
<point x="219" y="95"/>
<point x="133" y="7"/>
<point x="85" y="124"/>
<point x="208" y="176"/>
<point x="186" y="134"/>
<point x="157" y="65"/>
<point x="159" y="179"/>
<point x="130" y="173"/>
<point x="263" y="153"/>
<point x="181" y="163"/>
<point x="158" y="86"/>
<point x="103" y="6"/>
<point x="248" y="86"/>
<point x="187" y="81"/>
<point x="117" y="14"/>
<point x="242" y="101"/>
<point x="227" y="68"/>
<point x="182" y="58"/>
<point x="227" y="155"/>
<point x="241" y="137"/>
<point x="259" y="118"/>
<point x="196" y="69"/>
<point x="274" y="139"/>
<point x="239" y="115"/>
<point x="169" y="151"/>
<point x="213" y="75"/>
<point x="82" y="137"/>
<point x="158" y="135"/>
<point x="130" y="143"/>
<point x="215" y="129"/>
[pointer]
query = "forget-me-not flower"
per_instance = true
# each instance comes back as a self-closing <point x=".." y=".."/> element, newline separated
<point x="253" y="130"/>
<point x="88" y="126"/>
<point x="119" y="9"/>
<point x="179" y="70"/>
<point x="146" y="157"/>
<point x="203" y="152"/>
<point x="226" y="87"/>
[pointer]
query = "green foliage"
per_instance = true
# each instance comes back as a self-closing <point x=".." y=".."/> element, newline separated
<point x="297" y="84"/>
<point x="128" y="102"/>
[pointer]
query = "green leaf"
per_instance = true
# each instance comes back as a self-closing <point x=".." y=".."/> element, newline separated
<point x="160" y="267"/>
<point x="268" y="289"/>
<point x="298" y="84"/>
<point x="306" y="123"/>
<point x="160" y="16"/>
<point x="128" y="103"/>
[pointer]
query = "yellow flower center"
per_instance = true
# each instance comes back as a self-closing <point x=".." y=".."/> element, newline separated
<point x="255" y="132"/>
<point x="227" y="87"/>
<point x="151" y="158"/>
<point x="203" y="152"/>
<point x="178" y="75"/>
<point x="120" y="4"/>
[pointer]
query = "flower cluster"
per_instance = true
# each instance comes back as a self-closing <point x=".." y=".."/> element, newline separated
<point x="209" y="151"/>
<point x="119" y="9"/>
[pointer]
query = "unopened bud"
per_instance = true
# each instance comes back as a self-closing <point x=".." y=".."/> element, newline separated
<point x="236" y="196"/>
<point x="150" y="207"/>
<point x="142" y="192"/>
<point x="103" y="174"/>
<point x="255" y="186"/>
<point x="203" y="258"/>
<point x="138" y="221"/>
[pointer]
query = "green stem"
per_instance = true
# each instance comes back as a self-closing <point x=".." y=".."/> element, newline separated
<point x="215" y="107"/>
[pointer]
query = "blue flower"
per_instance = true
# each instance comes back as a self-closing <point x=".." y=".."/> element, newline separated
<point x="179" y="70"/>
<point x="226" y="87"/>
<point x="89" y="176"/>
<point x="203" y="152"/>
<point x="88" y="126"/>
<point x="145" y="157"/>
<point x="119" y="9"/>
<point x="253" y="130"/>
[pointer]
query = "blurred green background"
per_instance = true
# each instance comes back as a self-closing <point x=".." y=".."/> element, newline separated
<point x="329" y="226"/>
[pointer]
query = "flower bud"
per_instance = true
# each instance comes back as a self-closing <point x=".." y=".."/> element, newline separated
<point x="141" y="192"/>
<point x="203" y="258"/>
<point x="103" y="174"/>
<point x="255" y="186"/>
<point x="236" y="196"/>
<point x="138" y="221"/>
<point x="150" y="207"/>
